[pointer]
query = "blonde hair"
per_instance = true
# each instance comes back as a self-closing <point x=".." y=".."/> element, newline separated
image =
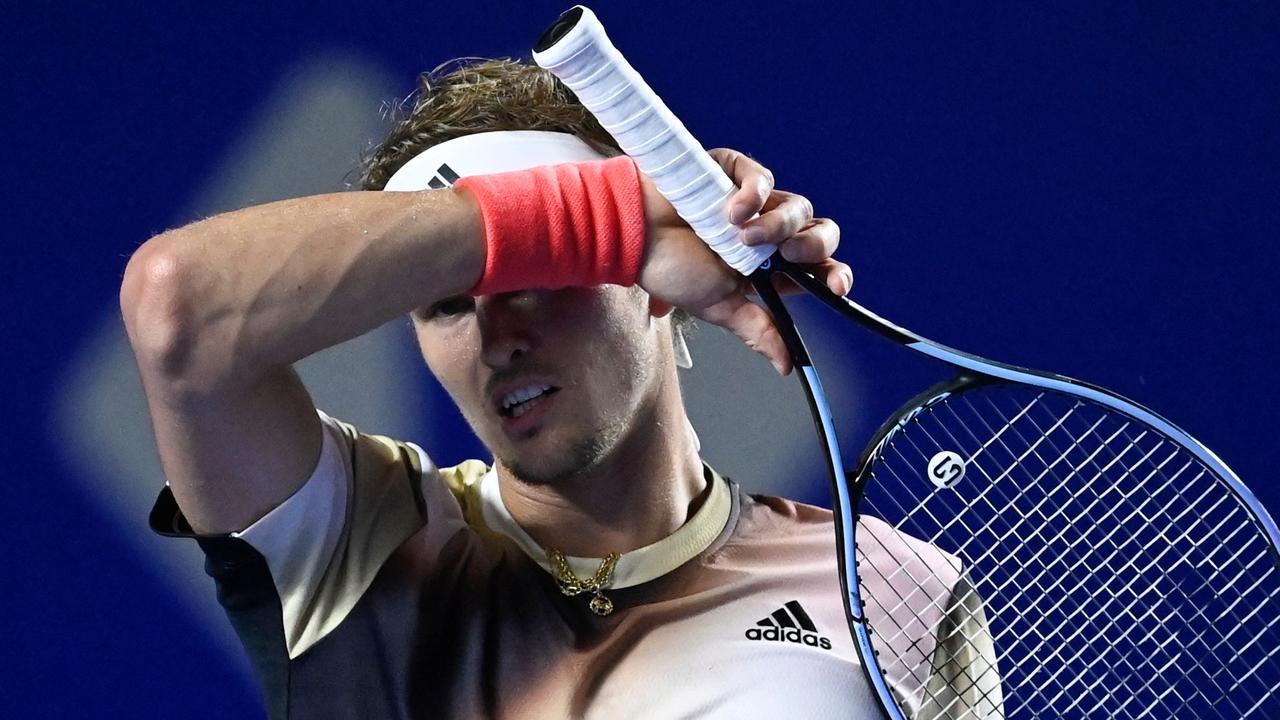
<point x="472" y="95"/>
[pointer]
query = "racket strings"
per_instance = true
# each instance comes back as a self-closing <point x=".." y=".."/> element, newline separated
<point x="1140" y="510"/>
<point x="1219" y="581"/>
<point x="1120" y="576"/>
<point x="1153" y="562"/>
<point x="1043" y="590"/>
<point x="1020" y="459"/>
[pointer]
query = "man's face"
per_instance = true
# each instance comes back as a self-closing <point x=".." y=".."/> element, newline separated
<point x="550" y="380"/>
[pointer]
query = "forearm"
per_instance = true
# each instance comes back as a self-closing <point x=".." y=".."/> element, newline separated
<point x="261" y="288"/>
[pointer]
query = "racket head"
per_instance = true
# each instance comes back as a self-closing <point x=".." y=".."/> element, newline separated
<point x="1026" y="545"/>
<point x="1024" y="551"/>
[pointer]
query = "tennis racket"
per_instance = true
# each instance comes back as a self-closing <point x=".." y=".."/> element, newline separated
<point x="1012" y="543"/>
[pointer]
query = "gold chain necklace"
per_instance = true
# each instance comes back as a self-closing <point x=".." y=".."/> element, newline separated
<point x="573" y="585"/>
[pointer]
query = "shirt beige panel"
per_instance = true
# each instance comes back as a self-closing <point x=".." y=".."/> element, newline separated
<point x="325" y="544"/>
<point x="967" y="683"/>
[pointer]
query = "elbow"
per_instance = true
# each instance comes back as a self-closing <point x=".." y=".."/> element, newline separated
<point x="158" y="310"/>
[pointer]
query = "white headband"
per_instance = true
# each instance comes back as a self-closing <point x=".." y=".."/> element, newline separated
<point x="440" y="166"/>
<point x="486" y="153"/>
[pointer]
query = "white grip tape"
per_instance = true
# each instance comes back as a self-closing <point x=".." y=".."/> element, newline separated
<point x="585" y="60"/>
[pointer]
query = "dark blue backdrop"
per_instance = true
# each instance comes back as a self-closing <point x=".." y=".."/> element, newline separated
<point x="1084" y="187"/>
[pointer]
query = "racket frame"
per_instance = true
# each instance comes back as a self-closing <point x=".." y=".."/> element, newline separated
<point x="847" y="489"/>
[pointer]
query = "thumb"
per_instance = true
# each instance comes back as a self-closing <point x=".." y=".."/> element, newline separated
<point x="753" y="325"/>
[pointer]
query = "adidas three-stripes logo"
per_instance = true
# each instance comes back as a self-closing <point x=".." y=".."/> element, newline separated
<point x="444" y="177"/>
<point x="789" y="623"/>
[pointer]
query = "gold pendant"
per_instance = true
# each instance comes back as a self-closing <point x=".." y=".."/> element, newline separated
<point x="600" y="605"/>
<point x="572" y="585"/>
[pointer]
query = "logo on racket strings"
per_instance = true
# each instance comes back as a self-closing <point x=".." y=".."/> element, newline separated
<point x="946" y="468"/>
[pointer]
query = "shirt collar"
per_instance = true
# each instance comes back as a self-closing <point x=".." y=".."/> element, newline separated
<point x="636" y="566"/>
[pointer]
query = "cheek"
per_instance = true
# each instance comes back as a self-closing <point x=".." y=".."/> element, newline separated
<point x="625" y="345"/>
<point x="451" y="352"/>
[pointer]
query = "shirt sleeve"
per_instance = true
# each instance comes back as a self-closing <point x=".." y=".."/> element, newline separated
<point x="966" y="679"/>
<point x="323" y="546"/>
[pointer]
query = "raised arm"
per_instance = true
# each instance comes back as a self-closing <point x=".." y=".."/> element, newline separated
<point x="218" y="311"/>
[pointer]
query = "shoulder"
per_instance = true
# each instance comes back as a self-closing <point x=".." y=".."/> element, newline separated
<point x="402" y="477"/>
<point x="884" y="549"/>
<point x="370" y="457"/>
<point x="882" y="543"/>
<point x="775" y="513"/>
<point x="888" y="551"/>
<point x="782" y="529"/>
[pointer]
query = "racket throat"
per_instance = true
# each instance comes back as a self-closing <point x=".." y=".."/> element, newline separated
<point x="762" y="280"/>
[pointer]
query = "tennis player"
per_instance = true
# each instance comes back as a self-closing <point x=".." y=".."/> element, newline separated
<point x="594" y="566"/>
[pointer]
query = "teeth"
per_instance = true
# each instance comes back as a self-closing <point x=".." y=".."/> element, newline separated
<point x="522" y="395"/>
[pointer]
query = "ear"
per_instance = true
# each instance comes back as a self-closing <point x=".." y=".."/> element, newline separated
<point x="658" y="308"/>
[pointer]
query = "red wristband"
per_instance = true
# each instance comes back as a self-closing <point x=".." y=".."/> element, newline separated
<point x="558" y="226"/>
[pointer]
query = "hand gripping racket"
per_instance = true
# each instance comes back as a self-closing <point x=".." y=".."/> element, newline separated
<point x="1023" y="545"/>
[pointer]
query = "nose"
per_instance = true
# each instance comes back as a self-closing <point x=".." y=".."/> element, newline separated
<point x="506" y="325"/>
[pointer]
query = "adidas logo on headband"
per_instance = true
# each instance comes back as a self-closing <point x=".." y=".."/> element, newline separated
<point x="485" y="153"/>
<point x="444" y="177"/>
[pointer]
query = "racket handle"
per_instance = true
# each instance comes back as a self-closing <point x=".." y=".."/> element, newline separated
<point x="576" y="50"/>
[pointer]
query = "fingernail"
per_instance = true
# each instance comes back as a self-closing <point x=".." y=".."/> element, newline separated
<point x="736" y="214"/>
<point x="754" y="235"/>
<point x="848" y="280"/>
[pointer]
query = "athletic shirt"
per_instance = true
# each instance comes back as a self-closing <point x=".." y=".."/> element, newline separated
<point x="386" y="587"/>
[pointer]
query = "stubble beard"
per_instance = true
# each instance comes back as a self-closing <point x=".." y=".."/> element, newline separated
<point x="581" y="457"/>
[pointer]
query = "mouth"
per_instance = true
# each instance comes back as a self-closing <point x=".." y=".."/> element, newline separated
<point x="521" y="400"/>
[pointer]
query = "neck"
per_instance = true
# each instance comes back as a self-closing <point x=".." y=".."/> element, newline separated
<point x="643" y="491"/>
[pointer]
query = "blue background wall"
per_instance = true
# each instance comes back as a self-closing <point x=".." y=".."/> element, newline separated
<point x="1089" y="188"/>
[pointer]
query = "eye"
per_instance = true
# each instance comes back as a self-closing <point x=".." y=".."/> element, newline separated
<point x="451" y="307"/>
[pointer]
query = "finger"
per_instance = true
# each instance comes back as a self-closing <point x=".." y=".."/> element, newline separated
<point x="753" y="325"/>
<point x="813" y="244"/>
<point x="834" y="274"/>
<point x="786" y="215"/>
<point x="754" y="182"/>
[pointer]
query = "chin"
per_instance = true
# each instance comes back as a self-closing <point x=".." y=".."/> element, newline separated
<point x="555" y="462"/>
